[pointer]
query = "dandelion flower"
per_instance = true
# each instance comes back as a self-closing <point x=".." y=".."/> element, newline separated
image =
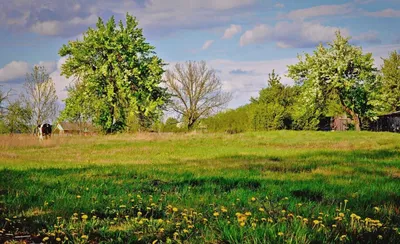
<point x="248" y="214"/>
<point x="216" y="214"/>
<point x="84" y="217"/>
<point x="45" y="239"/>
<point x="242" y="224"/>
<point x="253" y="199"/>
<point x="78" y="196"/>
<point x="343" y="237"/>
<point x="175" y="209"/>
<point x="261" y="209"/>
<point x="58" y="239"/>
<point x="84" y="237"/>
<point x="280" y="233"/>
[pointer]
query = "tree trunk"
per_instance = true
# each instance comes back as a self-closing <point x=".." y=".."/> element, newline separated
<point x="355" y="117"/>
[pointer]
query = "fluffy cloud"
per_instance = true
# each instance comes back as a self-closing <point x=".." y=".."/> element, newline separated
<point x="61" y="82"/>
<point x="63" y="18"/>
<point x="368" y="37"/>
<point x="232" y="31"/>
<point x="386" y="13"/>
<point x="291" y="34"/>
<point x="14" y="70"/>
<point x="207" y="44"/>
<point x="322" y="10"/>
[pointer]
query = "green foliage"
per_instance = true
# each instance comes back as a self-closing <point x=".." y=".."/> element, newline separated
<point x="231" y="121"/>
<point x="273" y="109"/>
<point x="120" y="73"/>
<point x="340" y="71"/>
<point x="391" y="82"/>
<point x="18" y="118"/>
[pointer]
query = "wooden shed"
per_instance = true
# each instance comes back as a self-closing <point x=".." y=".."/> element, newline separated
<point x="387" y="122"/>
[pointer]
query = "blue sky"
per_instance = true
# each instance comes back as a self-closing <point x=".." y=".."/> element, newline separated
<point x="242" y="39"/>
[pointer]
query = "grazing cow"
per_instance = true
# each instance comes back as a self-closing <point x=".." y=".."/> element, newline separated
<point x="44" y="131"/>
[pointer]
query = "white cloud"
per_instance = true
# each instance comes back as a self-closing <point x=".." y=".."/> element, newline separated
<point x="14" y="70"/>
<point x="256" y="35"/>
<point x="54" y="27"/>
<point x="386" y="13"/>
<point x="207" y="44"/>
<point x="232" y="31"/>
<point x="61" y="82"/>
<point x="291" y="34"/>
<point x="322" y="10"/>
<point x="279" y="5"/>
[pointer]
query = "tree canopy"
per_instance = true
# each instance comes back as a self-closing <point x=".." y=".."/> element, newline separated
<point x="120" y="72"/>
<point x="196" y="90"/>
<point x="391" y="82"/>
<point x="339" y="72"/>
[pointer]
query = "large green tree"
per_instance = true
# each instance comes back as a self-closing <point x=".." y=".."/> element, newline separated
<point x="18" y="117"/>
<point x="338" y="72"/>
<point x="120" y="72"/>
<point x="391" y="82"/>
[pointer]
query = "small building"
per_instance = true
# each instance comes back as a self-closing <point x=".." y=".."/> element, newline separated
<point x="68" y="128"/>
<point x="387" y="122"/>
<point x="336" y="123"/>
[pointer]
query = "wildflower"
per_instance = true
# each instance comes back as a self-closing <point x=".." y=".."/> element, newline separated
<point x="380" y="237"/>
<point x="216" y="214"/>
<point x="84" y="217"/>
<point x="253" y="199"/>
<point x="224" y="210"/>
<point x="280" y="233"/>
<point x="377" y="209"/>
<point x="283" y="211"/>
<point x="154" y="242"/>
<point x="45" y="239"/>
<point x="161" y="230"/>
<point x="346" y="201"/>
<point x="139" y="214"/>
<point x="78" y="197"/>
<point x="341" y="215"/>
<point x="84" y="237"/>
<point x="175" y="209"/>
<point x="242" y="224"/>
<point x="58" y="239"/>
<point x="305" y="220"/>
<point x="299" y="204"/>
<point x="343" y="237"/>
<point x="316" y="222"/>
<point x="334" y="226"/>
<point x="59" y="218"/>
<point x="261" y="209"/>
<point x="253" y="225"/>
<point x="264" y="219"/>
<point x="160" y="221"/>
<point x="185" y="231"/>
<point x="247" y="214"/>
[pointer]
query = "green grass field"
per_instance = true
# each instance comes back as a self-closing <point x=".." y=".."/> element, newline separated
<point x="261" y="187"/>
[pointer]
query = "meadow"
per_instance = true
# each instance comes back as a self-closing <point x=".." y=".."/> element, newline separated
<point x="258" y="187"/>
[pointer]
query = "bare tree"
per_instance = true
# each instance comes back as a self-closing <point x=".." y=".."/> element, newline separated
<point x="3" y="97"/>
<point x="40" y="95"/>
<point x="196" y="91"/>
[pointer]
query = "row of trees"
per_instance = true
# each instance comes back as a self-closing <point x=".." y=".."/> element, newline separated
<point x="334" y="80"/>
<point x="119" y="84"/>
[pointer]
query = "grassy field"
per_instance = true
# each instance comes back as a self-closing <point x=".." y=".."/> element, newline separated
<point x="269" y="187"/>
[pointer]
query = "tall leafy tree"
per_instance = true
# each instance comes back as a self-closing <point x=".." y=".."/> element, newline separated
<point x="40" y="96"/>
<point x="120" y="72"/>
<point x="391" y="82"/>
<point x="18" y="117"/>
<point x="339" y="71"/>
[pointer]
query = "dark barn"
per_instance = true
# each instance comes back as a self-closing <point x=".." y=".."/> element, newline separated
<point x="388" y="122"/>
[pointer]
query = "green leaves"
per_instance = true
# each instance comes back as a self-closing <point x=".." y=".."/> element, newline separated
<point x="119" y="71"/>
<point x="338" y="72"/>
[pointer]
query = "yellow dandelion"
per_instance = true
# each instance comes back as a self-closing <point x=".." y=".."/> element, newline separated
<point x="261" y="209"/>
<point x="185" y="231"/>
<point x="253" y="225"/>
<point x="253" y="199"/>
<point x="280" y="233"/>
<point x="334" y="226"/>
<point x="155" y="241"/>
<point x="58" y="239"/>
<point x="216" y="214"/>
<point x="283" y="211"/>
<point x="242" y="224"/>
<point x="78" y="196"/>
<point x="45" y="239"/>
<point x="248" y="214"/>
<point x="377" y="209"/>
<point x="316" y="222"/>
<point x="175" y="209"/>
<point x="84" y="237"/>
<point x="343" y="237"/>
<point x="139" y="214"/>
<point x="380" y="237"/>
<point x="84" y="217"/>
<point x="264" y="219"/>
